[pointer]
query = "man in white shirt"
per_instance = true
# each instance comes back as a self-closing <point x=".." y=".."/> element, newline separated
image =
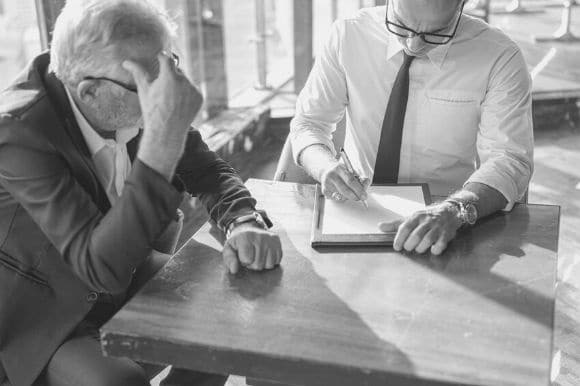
<point x="460" y="118"/>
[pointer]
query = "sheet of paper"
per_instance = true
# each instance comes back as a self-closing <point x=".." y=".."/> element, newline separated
<point x="385" y="203"/>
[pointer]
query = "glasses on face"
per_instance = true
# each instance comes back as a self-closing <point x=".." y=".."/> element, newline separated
<point x="427" y="37"/>
<point x="130" y="87"/>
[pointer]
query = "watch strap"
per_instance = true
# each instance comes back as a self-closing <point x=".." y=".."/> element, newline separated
<point x="255" y="217"/>
<point x="464" y="214"/>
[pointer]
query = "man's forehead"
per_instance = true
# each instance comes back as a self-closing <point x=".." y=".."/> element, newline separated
<point x="435" y="13"/>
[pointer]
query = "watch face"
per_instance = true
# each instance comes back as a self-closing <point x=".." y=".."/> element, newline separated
<point x="470" y="213"/>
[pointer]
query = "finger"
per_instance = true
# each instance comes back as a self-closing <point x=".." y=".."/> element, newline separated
<point x="243" y="248"/>
<point x="404" y="231"/>
<point x="261" y="253"/>
<point x="343" y="188"/>
<point x="259" y="259"/>
<point x="443" y="241"/>
<point x="337" y="197"/>
<point x="328" y="190"/>
<point x="246" y="254"/>
<point x="139" y="74"/>
<point x="230" y="259"/>
<point x="333" y="182"/>
<point x="352" y="183"/>
<point x="165" y="62"/>
<point x="366" y="182"/>
<point x="389" y="226"/>
<point x="331" y="192"/>
<point x="428" y="240"/>
<point x="416" y="236"/>
<point x="270" y="262"/>
<point x="166" y="65"/>
<point x="440" y="245"/>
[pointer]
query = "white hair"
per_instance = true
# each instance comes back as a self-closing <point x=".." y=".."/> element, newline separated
<point x="87" y="32"/>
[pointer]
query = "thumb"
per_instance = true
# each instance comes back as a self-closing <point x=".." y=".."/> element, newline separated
<point x="230" y="257"/>
<point x="137" y="71"/>
<point x="366" y="182"/>
<point x="389" y="226"/>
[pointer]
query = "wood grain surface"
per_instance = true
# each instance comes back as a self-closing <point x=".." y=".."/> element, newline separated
<point x="480" y="314"/>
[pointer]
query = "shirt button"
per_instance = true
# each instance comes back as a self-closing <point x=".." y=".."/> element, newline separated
<point x="92" y="297"/>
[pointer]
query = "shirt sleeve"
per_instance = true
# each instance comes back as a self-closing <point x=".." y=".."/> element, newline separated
<point x="505" y="137"/>
<point x="323" y="99"/>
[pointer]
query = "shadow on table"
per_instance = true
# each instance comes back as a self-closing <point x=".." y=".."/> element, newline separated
<point x="284" y="325"/>
<point x="470" y="260"/>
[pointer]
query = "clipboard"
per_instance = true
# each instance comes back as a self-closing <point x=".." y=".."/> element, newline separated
<point x="397" y="201"/>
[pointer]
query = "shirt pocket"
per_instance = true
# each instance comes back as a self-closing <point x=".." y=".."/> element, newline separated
<point x="451" y="121"/>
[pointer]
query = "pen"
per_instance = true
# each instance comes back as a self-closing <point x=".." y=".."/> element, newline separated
<point x="350" y="169"/>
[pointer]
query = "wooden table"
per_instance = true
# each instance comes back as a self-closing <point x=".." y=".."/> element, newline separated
<point x="480" y="314"/>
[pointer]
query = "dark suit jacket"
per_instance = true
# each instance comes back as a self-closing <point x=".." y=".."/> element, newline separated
<point x="60" y="240"/>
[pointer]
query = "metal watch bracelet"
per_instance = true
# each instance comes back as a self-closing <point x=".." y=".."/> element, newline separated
<point x="252" y="217"/>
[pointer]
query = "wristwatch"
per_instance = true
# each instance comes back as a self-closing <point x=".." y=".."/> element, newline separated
<point x="252" y="217"/>
<point x="467" y="210"/>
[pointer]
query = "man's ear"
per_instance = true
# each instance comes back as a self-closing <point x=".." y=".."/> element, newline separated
<point x="86" y="90"/>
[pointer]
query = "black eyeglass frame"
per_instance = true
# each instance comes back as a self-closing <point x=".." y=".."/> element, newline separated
<point x="127" y="86"/>
<point x="422" y="35"/>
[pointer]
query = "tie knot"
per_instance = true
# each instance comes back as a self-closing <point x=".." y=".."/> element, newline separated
<point x="407" y="59"/>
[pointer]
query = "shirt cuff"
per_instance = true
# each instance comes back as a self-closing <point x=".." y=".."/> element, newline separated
<point x="302" y="139"/>
<point x="507" y="189"/>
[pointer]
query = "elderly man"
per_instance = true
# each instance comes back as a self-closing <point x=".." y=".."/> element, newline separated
<point x="89" y="201"/>
<point x="430" y="95"/>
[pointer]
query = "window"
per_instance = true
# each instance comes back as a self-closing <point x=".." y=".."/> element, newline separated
<point x="19" y="38"/>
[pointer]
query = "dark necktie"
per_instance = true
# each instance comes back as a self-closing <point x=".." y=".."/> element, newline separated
<point x="389" y="153"/>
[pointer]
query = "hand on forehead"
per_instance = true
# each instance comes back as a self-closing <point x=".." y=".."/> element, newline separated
<point x="143" y="54"/>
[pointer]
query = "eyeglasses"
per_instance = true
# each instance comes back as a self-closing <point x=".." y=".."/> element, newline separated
<point x="427" y="37"/>
<point x="130" y="87"/>
<point x="126" y="86"/>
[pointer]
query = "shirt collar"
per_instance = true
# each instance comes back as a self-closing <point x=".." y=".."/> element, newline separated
<point x="94" y="141"/>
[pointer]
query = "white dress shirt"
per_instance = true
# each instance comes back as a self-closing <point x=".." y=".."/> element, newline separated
<point x="468" y="118"/>
<point x="110" y="156"/>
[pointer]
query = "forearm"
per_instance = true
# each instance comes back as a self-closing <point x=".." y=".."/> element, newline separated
<point x="224" y="195"/>
<point x="487" y="199"/>
<point x="161" y="154"/>
<point x="214" y="181"/>
<point x="315" y="159"/>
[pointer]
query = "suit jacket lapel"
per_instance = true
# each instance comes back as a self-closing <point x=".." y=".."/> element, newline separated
<point x="79" y="157"/>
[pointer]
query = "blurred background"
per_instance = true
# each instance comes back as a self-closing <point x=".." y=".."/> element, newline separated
<point x="250" y="58"/>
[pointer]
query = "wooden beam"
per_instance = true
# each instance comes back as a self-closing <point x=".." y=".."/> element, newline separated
<point x="46" y="13"/>
<point x="303" y="50"/>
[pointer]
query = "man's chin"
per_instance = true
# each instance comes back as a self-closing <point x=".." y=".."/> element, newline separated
<point x="419" y="53"/>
